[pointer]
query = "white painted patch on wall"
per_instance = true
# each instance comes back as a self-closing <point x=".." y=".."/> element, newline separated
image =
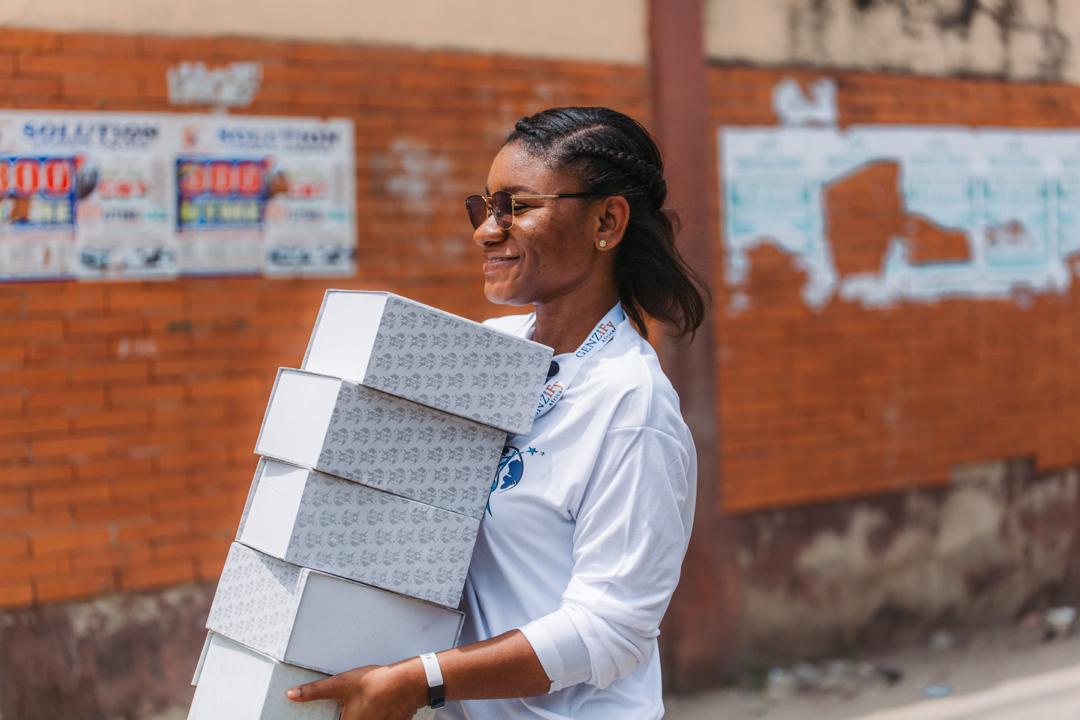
<point x="795" y="108"/>
<point x="415" y="169"/>
<point x="1014" y="194"/>
<point x="233" y="85"/>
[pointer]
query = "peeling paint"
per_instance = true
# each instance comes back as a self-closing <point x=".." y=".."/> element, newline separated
<point x="862" y="575"/>
<point x="1006" y="39"/>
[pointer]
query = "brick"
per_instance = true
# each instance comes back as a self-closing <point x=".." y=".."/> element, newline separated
<point x="209" y="568"/>
<point x="69" y="400"/>
<point x="32" y="426"/>
<point x="14" y="547"/>
<point x="166" y="551"/>
<point x="158" y="297"/>
<point x="92" y="348"/>
<point x="72" y="495"/>
<point x="29" y="87"/>
<point x="112" y="420"/>
<point x="166" y="394"/>
<point x="107" y="325"/>
<point x="11" y="355"/>
<point x="127" y="371"/>
<point x="26" y="569"/>
<point x="153" y="575"/>
<point x="11" y="403"/>
<point x="20" y="39"/>
<point x="16" y="594"/>
<point x="12" y="451"/>
<point x="82" y="86"/>
<point x="150" y="486"/>
<point x="31" y="330"/>
<point x="72" y="585"/>
<point x="153" y="530"/>
<point x="70" y="447"/>
<point x="71" y="298"/>
<point x="14" y="500"/>
<point x="107" y="42"/>
<point x="60" y="541"/>
<point x="113" y="469"/>
<point x="114" y="511"/>
<point x="53" y="64"/>
<point x="240" y="388"/>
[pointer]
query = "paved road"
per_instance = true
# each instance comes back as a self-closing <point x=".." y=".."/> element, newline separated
<point x="1049" y="696"/>
<point x="1011" y="675"/>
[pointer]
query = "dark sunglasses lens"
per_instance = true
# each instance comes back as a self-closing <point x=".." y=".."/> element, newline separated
<point x="503" y="203"/>
<point x="477" y="209"/>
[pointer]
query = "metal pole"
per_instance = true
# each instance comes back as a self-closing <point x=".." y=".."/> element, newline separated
<point x="700" y="632"/>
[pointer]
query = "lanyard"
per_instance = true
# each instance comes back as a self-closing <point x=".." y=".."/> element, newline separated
<point x="596" y="340"/>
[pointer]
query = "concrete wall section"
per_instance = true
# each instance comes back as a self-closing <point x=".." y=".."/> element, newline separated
<point x="829" y="580"/>
<point x="1032" y="40"/>
<point x="610" y="30"/>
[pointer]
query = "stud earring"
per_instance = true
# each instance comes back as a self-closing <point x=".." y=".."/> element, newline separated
<point x="603" y="244"/>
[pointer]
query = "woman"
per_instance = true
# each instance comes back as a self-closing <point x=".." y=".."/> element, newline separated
<point x="590" y="513"/>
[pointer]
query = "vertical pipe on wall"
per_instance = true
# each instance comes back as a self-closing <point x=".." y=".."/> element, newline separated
<point x="699" y="635"/>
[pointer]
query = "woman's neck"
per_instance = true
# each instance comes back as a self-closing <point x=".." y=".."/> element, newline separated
<point x="564" y="323"/>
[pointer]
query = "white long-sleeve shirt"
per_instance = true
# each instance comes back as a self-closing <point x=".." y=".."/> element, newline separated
<point x="584" y="538"/>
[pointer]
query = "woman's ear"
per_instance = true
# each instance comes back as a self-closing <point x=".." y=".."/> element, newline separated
<point x="613" y="214"/>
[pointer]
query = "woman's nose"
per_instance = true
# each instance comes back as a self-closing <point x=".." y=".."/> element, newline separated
<point x="489" y="232"/>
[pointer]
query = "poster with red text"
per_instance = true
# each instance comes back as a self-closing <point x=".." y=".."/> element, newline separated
<point x="266" y="196"/>
<point x="85" y="195"/>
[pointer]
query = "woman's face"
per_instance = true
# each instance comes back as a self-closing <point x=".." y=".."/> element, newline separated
<point x="549" y="252"/>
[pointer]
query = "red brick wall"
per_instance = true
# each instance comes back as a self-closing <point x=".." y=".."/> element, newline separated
<point x="847" y="401"/>
<point x="129" y="410"/>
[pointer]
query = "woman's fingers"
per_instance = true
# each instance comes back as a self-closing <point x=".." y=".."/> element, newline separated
<point x="329" y="689"/>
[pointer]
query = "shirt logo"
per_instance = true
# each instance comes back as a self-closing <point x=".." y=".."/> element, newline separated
<point x="511" y="470"/>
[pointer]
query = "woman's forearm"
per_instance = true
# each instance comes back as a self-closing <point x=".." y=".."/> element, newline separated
<point x="503" y="667"/>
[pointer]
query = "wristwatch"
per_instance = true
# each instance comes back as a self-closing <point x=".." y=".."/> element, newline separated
<point x="436" y="689"/>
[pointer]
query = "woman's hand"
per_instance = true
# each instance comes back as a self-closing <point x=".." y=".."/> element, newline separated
<point x="373" y="692"/>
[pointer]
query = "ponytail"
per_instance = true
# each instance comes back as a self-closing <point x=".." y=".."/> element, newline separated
<point x="614" y="155"/>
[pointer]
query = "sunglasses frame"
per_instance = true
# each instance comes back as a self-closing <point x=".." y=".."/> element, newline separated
<point x="513" y="200"/>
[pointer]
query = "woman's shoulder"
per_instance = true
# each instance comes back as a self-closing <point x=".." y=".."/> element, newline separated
<point x="631" y="377"/>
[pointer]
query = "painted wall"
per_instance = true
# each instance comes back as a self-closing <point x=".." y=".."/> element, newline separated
<point x="1030" y="40"/>
<point x="609" y="30"/>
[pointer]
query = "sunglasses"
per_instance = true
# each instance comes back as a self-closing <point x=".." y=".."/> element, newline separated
<point x="502" y="205"/>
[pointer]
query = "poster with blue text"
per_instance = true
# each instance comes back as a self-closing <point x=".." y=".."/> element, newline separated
<point x="265" y="196"/>
<point x="85" y="195"/>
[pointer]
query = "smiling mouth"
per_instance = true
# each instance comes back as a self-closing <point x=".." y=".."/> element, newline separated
<point x="493" y="262"/>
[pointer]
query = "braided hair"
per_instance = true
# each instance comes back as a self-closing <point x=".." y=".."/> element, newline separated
<point x="614" y="155"/>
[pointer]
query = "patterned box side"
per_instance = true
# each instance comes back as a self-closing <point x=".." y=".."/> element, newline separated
<point x="255" y="602"/>
<point x="446" y="362"/>
<point x="387" y="541"/>
<point x="410" y="450"/>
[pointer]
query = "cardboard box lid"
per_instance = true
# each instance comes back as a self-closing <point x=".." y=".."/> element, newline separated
<point x="429" y="356"/>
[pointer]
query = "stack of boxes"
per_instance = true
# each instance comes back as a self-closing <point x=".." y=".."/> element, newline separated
<point x="377" y="460"/>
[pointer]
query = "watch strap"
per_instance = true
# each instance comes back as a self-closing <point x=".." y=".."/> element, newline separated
<point x="436" y="689"/>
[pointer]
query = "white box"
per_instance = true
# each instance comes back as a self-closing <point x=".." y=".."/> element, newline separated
<point x="335" y="526"/>
<point x="235" y="682"/>
<point x="381" y="441"/>
<point x="429" y="356"/>
<point x="321" y="622"/>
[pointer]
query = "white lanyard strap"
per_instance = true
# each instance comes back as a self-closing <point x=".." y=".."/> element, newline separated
<point x="568" y="369"/>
